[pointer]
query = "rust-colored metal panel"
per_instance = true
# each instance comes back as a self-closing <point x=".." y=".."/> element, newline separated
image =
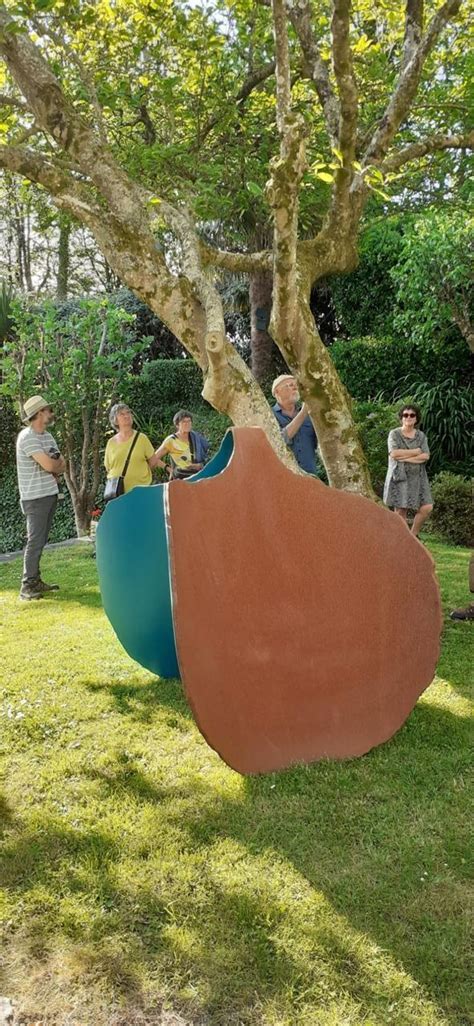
<point x="307" y="620"/>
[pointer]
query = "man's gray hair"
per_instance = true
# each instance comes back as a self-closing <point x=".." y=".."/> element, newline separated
<point x="115" y="409"/>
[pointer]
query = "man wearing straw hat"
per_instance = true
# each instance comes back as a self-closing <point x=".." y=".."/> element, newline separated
<point x="296" y="426"/>
<point x="38" y="465"/>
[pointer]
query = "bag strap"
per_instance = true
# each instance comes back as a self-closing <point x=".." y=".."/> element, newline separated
<point x="127" y="461"/>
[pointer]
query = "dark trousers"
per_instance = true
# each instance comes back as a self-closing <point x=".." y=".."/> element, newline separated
<point x="39" y="515"/>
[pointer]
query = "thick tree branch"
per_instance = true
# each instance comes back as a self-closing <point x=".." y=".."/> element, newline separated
<point x="300" y="15"/>
<point x="215" y="334"/>
<point x="407" y="85"/>
<point x="67" y="193"/>
<point x="283" y="76"/>
<point x="11" y="101"/>
<point x="413" y="29"/>
<point x="345" y="78"/>
<point x="283" y="190"/>
<point x="56" y="116"/>
<point x="238" y="262"/>
<point x="432" y="144"/>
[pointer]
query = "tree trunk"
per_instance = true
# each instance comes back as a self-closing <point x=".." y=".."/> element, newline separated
<point x="329" y="405"/>
<point x="260" y="294"/>
<point x="462" y="320"/>
<point x="82" y="515"/>
<point x="62" y="280"/>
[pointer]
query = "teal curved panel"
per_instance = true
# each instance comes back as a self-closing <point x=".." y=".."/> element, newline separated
<point x="219" y="462"/>
<point x="134" y="575"/>
<point x="134" y="570"/>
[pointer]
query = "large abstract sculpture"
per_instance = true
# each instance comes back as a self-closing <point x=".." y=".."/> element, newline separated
<point x="303" y="621"/>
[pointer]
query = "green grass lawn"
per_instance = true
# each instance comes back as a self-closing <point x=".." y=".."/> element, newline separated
<point x="141" y="877"/>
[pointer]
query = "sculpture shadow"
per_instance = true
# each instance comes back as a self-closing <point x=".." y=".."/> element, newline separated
<point x="141" y="701"/>
<point x="399" y="877"/>
<point x="359" y="834"/>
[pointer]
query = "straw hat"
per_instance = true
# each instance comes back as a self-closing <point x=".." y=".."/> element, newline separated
<point x="33" y="406"/>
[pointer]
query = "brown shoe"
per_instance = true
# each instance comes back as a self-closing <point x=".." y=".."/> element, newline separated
<point x="43" y="587"/>
<point x="463" y="614"/>
<point x="28" y="593"/>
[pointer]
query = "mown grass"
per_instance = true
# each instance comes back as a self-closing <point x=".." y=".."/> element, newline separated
<point x="140" y="874"/>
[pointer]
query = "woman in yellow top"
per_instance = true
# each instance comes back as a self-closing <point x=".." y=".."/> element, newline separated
<point x="188" y="450"/>
<point x="143" y="457"/>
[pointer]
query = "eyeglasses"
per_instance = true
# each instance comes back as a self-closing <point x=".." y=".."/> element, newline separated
<point x="411" y="415"/>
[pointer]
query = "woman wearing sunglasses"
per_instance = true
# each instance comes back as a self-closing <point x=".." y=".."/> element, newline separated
<point x="406" y="484"/>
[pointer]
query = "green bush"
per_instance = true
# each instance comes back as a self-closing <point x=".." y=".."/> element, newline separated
<point x="13" y="523"/>
<point x="452" y="518"/>
<point x="163" y="388"/>
<point x="374" y="421"/>
<point x="373" y="367"/>
<point x="9" y="428"/>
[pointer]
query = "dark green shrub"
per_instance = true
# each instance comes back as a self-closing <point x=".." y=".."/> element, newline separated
<point x="452" y="518"/>
<point x="13" y="523"/>
<point x="9" y="428"/>
<point x="375" y="367"/>
<point x="374" y="421"/>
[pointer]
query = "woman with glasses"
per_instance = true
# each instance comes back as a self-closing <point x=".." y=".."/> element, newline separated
<point x="142" y="456"/>
<point x="406" y="484"/>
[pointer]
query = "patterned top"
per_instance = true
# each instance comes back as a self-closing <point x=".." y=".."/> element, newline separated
<point x="33" y="481"/>
<point x="179" y="450"/>
<point x="414" y="491"/>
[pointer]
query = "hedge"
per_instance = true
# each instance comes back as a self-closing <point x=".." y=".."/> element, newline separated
<point x="375" y="367"/>
<point x="13" y="523"/>
<point x="452" y="519"/>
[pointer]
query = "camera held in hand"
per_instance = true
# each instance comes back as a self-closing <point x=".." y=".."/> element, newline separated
<point x="56" y="455"/>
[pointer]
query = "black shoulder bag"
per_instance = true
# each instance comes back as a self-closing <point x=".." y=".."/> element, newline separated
<point x="115" y="486"/>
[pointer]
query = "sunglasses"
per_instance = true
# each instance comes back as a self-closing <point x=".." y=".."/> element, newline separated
<point x="411" y="415"/>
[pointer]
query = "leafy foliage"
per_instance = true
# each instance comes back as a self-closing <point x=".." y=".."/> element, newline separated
<point x="372" y="366"/>
<point x="13" y="523"/>
<point x="9" y="426"/>
<point x="451" y="518"/>
<point x="365" y="299"/>
<point x="433" y="277"/>
<point x="80" y="362"/>
<point x="374" y="421"/>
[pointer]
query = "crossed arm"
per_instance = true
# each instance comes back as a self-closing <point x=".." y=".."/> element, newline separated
<point x="410" y="455"/>
<point x="55" y="467"/>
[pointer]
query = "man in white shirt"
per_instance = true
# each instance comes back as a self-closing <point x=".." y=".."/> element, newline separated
<point x="38" y="465"/>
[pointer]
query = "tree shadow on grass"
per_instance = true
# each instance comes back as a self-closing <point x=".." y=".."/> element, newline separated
<point x="358" y="835"/>
<point x="141" y="700"/>
<point x="384" y="838"/>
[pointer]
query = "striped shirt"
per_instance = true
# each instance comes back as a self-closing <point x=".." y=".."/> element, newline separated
<point x="33" y="481"/>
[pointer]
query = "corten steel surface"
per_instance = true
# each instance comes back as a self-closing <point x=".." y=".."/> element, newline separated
<point x="307" y="620"/>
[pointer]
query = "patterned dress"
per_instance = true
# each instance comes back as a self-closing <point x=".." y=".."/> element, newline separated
<point x="415" y="490"/>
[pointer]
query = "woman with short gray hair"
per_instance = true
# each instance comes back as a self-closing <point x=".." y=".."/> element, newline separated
<point x="142" y="455"/>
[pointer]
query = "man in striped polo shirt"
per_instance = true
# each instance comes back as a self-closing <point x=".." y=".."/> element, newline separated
<point x="38" y="464"/>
